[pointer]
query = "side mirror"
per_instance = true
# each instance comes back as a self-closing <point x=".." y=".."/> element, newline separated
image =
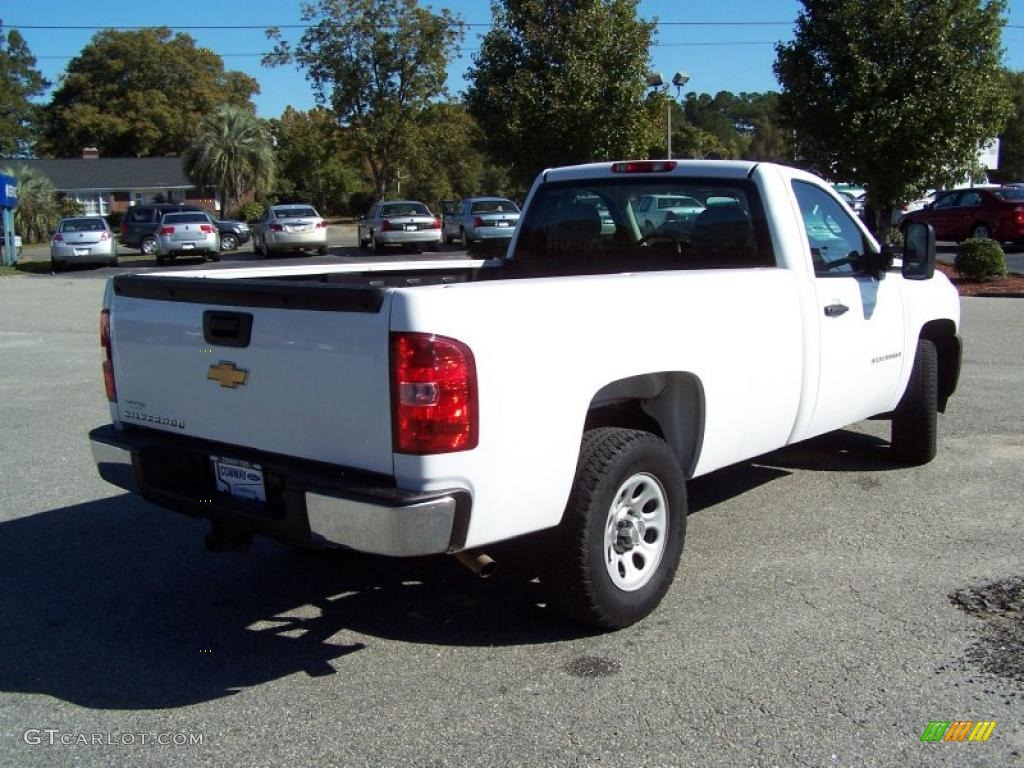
<point x="919" y="252"/>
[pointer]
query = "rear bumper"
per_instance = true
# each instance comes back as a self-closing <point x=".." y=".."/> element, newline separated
<point x="167" y="247"/>
<point x="314" y="238"/>
<point x="307" y="503"/>
<point x="84" y="253"/>
<point x="399" y="237"/>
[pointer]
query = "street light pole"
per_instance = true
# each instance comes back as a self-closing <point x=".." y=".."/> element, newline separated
<point x="655" y="81"/>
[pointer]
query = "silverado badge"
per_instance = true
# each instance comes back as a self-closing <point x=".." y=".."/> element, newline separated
<point x="227" y="374"/>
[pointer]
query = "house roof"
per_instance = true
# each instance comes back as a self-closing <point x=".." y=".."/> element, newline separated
<point x="111" y="173"/>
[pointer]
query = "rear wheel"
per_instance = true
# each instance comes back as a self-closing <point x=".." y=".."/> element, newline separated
<point x="374" y="245"/>
<point x="463" y="238"/>
<point x="617" y="548"/>
<point x="56" y="265"/>
<point x="322" y="250"/>
<point x="915" y="421"/>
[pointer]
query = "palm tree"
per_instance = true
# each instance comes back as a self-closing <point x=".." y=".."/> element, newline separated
<point x="38" y="210"/>
<point x="233" y="153"/>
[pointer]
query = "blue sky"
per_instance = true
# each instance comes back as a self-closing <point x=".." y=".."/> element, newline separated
<point x="717" y="57"/>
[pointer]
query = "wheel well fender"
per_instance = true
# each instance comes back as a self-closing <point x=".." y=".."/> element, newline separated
<point x="942" y="333"/>
<point x="669" y="404"/>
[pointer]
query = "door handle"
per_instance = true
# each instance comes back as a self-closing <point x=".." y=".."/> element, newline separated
<point x="835" y="310"/>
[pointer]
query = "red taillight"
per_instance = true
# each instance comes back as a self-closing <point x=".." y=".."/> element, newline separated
<point x="433" y="394"/>
<point x="321" y="225"/>
<point x="436" y="224"/>
<point x="478" y="222"/>
<point x="108" y="356"/>
<point x="166" y="230"/>
<point x="58" y="237"/>
<point x="276" y="228"/>
<point x="207" y="228"/>
<point x="1018" y="215"/>
<point x="385" y="226"/>
<point x="645" y="166"/>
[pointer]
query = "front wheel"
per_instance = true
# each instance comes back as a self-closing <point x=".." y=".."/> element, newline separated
<point x="228" y="242"/>
<point x="620" y="540"/>
<point x="148" y="246"/>
<point x="982" y="231"/>
<point x="915" y="421"/>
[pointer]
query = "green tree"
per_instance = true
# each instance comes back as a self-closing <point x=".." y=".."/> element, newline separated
<point x="893" y="94"/>
<point x="138" y="93"/>
<point x="314" y="160"/>
<point x="19" y="82"/>
<point x="378" y="64"/>
<point x="1011" y="140"/>
<point x="561" y="83"/>
<point x="447" y="161"/>
<point x="38" y="209"/>
<point x="232" y="153"/>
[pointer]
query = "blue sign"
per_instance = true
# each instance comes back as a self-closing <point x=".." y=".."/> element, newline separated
<point x="8" y="191"/>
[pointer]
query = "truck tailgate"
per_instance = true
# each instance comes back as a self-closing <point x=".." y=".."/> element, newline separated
<point x="300" y="370"/>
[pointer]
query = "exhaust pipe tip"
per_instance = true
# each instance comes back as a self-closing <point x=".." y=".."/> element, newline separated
<point x="480" y="564"/>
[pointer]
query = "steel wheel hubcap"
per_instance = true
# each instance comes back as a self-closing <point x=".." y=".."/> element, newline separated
<point x="635" y="532"/>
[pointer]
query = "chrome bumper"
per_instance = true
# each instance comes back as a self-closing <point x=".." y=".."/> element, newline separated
<point x="398" y="523"/>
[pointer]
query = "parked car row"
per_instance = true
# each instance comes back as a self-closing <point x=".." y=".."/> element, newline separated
<point x="140" y="227"/>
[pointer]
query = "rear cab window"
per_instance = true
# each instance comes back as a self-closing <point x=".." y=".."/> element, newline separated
<point x="596" y="226"/>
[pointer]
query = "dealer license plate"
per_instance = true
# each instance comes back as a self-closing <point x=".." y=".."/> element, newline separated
<point x="239" y="478"/>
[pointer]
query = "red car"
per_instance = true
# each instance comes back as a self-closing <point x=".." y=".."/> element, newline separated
<point x="996" y="213"/>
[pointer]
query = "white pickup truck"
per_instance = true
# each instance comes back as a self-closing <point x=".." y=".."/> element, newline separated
<point x="568" y="390"/>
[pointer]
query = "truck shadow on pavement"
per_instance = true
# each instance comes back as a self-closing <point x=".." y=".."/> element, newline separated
<point x="114" y="604"/>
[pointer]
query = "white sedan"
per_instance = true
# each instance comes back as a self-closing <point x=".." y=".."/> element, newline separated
<point x="399" y="222"/>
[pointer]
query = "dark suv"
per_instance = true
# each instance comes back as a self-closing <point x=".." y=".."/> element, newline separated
<point x="139" y="225"/>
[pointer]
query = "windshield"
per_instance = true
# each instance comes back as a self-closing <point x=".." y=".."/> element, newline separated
<point x="605" y="225"/>
<point x="83" y="225"/>
<point x="185" y="218"/>
<point x="294" y="213"/>
<point x="405" y="209"/>
<point x="493" y="206"/>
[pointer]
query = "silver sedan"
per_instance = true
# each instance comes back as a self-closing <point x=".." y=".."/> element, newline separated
<point x="290" y="227"/>
<point x="82" y="240"/>
<point x="190" y="233"/>
<point x="481" y="218"/>
<point x="400" y="222"/>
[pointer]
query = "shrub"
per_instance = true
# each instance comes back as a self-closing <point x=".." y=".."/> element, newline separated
<point x="980" y="259"/>
<point x="360" y="202"/>
<point x="68" y="207"/>
<point x="251" y="212"/>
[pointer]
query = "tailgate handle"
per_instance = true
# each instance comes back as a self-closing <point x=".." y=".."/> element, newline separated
<point x="227" y="329"/>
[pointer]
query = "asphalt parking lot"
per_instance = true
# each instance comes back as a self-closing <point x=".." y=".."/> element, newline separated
<point x="810" y="624"/>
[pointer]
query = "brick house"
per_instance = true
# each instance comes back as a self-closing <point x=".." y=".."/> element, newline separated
<point x="107" y="184"/>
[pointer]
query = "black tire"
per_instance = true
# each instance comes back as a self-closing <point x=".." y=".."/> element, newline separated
<point x="148" y="245"/>
<point x="228" y="242"/>
<point x="981" y="230"/>
<point x="161" y="260"/>
<point x="112" y="263"/>
<point x="374" y="245"/>
<point x="213" y="257"/>
<point x="322" y="250"/>
<point x="915" y="421"/>
<point x="56" y="266"/>
<point x="463" y="237"/>
<point x="577" y="571"/>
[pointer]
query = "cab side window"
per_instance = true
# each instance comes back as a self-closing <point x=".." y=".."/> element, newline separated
<point x="970" y="198"/>
<point x="836" y="243"/>
<point x="947" y="200"/>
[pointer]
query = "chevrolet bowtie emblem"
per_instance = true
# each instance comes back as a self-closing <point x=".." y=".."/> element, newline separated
<point x="227" y="375"/>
